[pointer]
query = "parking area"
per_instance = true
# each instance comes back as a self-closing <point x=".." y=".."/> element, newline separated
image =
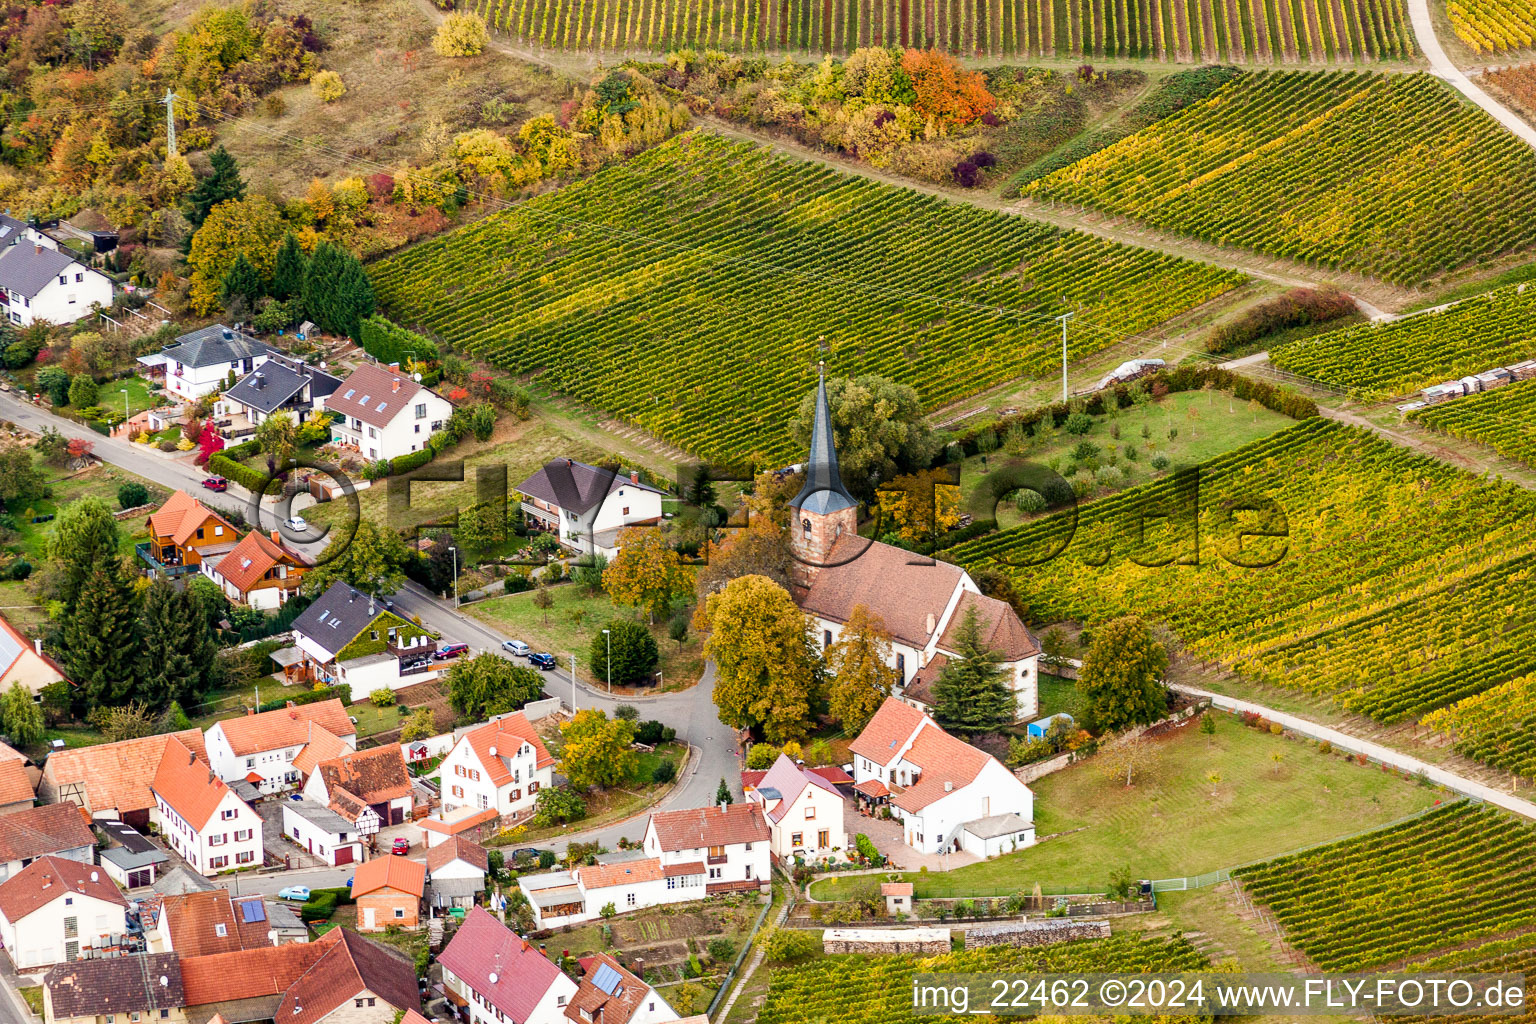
<point x="889" y="840"/>
<point x="278" y="846"/>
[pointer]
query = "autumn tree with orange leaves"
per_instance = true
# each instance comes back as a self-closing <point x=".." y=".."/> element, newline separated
<point x="947" y="94"/>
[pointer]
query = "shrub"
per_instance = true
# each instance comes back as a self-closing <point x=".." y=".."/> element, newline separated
<point x="1159" y="462"/>
<point x="664" y="772"/>
<point x="1296" y="308"/>
<point x="721" y="949"/>
<point x="462" y="34"/>
<point x="1078" y="423"/>
<point x="132" y="495"/>
<point x="412" y="460"/>
<point x="866" y="847"/>
<point x="628" y="650"/>
<point x="626" y="713"/>
<point x="1108" y="476"/>
<point x="382" y="698"/>
<point x="320" y="907"/>
<point x="327" y="86"/>
<point x="1029" y="502"/>
<point x="1085" y="450"/>
<point x="781" y="945"/>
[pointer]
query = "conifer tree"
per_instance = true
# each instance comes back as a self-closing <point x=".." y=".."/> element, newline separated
<point x="100" y="641"/>
<point x="177" y="650"/>
<point x="85" y="537"/>
<point x="222" y="184"/>
<point x="337" y="292"/>
<point x="972" y="693"/>
<point x="288" y="274"/>
<point x="243" y="283"/>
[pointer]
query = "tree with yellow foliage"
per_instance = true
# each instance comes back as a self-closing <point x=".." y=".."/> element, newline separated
<point x="646" y="573"/>
<point x="327" y="86"/>
<point x="859" y="679"/>
<point x="251" y="227"/>
<point x="596" y="750"/>
<point x="767" y="668"/>
<point x="919" y="506"/>
<point x="462" y="34"/>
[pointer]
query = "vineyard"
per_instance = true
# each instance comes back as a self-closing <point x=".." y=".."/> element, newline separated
<point x="1400" y="585"/>
<point x="1489" y="26"/>
<point x="1377" y="361"/>
<point x="1505" y="419"/>
<point x="685" y="291"/>
<point x="1465" y="873"/>
<point x="878" y="989"/>
<point x="1516" y="955"/>
<point x="1497" y="726"/>
<point x="1266" y="31"/>
<point x="1392" y="176"/>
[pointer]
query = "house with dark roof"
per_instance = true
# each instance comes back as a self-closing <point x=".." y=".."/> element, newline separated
<point x="922" y="602"/>
<point x="52" y="830"/>
<point x="260" y="571"/>
<point x="381" y="413"/>
<point x="282" y="385"/>
<point x="803" y="809"/>
<point x="203" y="361"/>
<point x="587" y="507"/>
<point x="143" y="987"/>
<point x="130" y="859"/>
<point x="201" y="817"/>
<point x="55" y="910"/>
<point x="348" y="636"/>
<point x="38" y="283"/>
<point x="261" y="747"/>
<point x="492" y="976"/>
<point x="948" y="795"/>
<point x="319" y="830"/>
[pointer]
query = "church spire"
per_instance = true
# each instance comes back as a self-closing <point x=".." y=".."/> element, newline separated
<point x="823" y="491"/>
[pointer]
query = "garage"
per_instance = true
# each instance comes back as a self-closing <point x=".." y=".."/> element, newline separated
<point x="343" y="855"/>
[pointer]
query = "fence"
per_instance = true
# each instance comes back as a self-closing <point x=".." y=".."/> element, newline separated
<point x="730" y="976"/>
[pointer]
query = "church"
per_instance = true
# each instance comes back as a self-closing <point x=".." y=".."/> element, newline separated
<point x="922" y="601"/>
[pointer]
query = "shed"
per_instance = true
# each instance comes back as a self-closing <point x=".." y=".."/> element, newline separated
<point x="898" y="897"/>
<point x="1038" y="729"/>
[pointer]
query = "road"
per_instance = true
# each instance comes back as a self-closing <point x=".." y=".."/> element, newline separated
<point x="1440" y="65"/>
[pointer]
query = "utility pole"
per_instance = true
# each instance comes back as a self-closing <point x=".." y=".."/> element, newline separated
<point x="1063" y="319"/>
<point x="170" y="123"/>
<point x="573" y="684"/>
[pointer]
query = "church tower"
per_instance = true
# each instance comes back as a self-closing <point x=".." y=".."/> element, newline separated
<point x="823" y="511"/>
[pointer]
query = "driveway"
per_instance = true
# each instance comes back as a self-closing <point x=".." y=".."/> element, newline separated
<point x="277" y="845"/>
<point x="889" y="839"/>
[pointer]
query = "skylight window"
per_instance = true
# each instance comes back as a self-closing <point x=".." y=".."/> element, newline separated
<point x="350" y="393"/>
<point x="364" y="400"/>
<point x="382" y="405"/>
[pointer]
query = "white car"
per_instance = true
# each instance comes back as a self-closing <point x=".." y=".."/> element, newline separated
<point x="516" y="648"/>
<point x="296" y="524"/>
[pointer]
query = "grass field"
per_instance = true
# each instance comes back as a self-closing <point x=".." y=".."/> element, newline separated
<point x="657" y="290"/>
<point x="619" y="803"/>
<point x="1203" y="803"/>
<point x="1058" y="695"/>
<point x="98" y="481"/>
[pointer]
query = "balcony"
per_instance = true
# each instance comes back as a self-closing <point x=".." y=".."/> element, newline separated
<point x="718" y="859"/>
<point x="145" y="551"/>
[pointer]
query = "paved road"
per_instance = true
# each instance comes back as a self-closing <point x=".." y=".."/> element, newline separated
<point x="1440" y="64"/>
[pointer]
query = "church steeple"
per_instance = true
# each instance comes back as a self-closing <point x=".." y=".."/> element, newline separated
<point x="823" y="492"/>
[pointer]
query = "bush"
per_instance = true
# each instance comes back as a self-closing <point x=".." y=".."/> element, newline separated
<point x="781" y="945"/>
<point x="320" y="907"/>
<point x="382" y="698"/>
<point x="664" y="772"/>
<point x="462" y="34"/>
<point x="132" y="495"/>
<point x="721" y="949"/>
<point x="1159" y="462"/>
<point x="327" y="86"/>
<point x="1029" y="502"/>
<point x="412" y="460"/>
<point x="1078" y="423"/>
<point x="652" y="732"/>
<point x="626" y="713"/>
<point x="1296" y="308"/>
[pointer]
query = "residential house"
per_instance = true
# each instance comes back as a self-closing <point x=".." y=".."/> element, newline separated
<point x="17" y="232"/>
<point x="587" y="506"/>
<point x="322" y="832"/>
<point x="381" y="413"/>
<point x="388" y="892"/>
<point x="495" y="977"/>
<point x="44" y="284"/>
<point x="947" y="794"/>
<point x="340" y="977"/>
<point x="23" y="661"/>
<point x="18" y="781"/>
<point x="455" y="873"/>
<point x="731" y="841"/>
<point x="214" y="921"/>
<point x="922" y="601"/>
<point x="184" y="532"/>
<point x="803" y="809"/>
<point x="283" y="385"/>
<point x="610" y="994"/>
<point x="144" y="988"/>
<point x="52" y="830"/>
<point x="112" y="780"/>
<point x="260" y="571"/>
<point x="54" y="910"/>
<point x="342" y="635"/>
<point x="500" y="766"/>
<point x="201" y="817"/>
<point x="260" y="747"/>
<point x="132" y="861"/>
<point x="376" y="778"/>
<point x="207" y="360"/>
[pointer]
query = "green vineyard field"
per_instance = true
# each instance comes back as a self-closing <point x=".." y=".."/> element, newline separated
<point x="1459" y="875"/>
<point x="1377" y="361"/>
<point x="1391" y="176"/>
<point x="685" y="291"/>
<point x="1497" y="726"/>
<point x="1504" y="419"/>
<point x="1399" y="586"/>
<point x="878" y="989"/>
<point x="1264" y="31"/>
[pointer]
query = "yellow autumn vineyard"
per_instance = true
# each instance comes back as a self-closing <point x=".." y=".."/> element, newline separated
<point x="1491" y="26"/>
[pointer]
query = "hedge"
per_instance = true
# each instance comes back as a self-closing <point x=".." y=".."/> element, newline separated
<point x="320" y="907"/>
<point x="1182" y="378"/>
<point x="279" y="621"/>
<point x="410" y="461"/>
<point x="390" y="343"/>
<point x="340" y="690"/>
<point x="252" y="480"/>
<point x="342" y="893"/>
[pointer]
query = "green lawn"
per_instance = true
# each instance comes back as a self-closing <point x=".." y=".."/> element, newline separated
<point x="605" y="806"/>
<point x="372" y="719"/>
<point x="109" y="397"/>
<point x="1204" y="803"/>
<point x="34" y="998"/>
<point x="1057" y="695"/>
<point x="570" y="624"/>
<point x="100" y="481"/>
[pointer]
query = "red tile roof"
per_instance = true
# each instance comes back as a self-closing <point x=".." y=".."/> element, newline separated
<point x="872" y="787"/>
<point x="749" y="780"/>
<point x="1001" y="629"/>
<point x="15" y="784"/>
<point x="193" y="920"/>
<point x="833" y="774"/>
<point x="180" y="517"/>
<point x="943" y="759"/>
<point x="188" y="785"/>
<point x="46" y="879"/>
<point x="698" y="827"/>
<point x="373" y="776"/>
<point x="885" y="734"/>
<point x="591" y="1003"/>
<point x="400" y="873"/>
<point x="115" y="775"/>
<point x="692" y="867"/>
<point x="629" y="872"/>
<point x="349" y="965"/>
<point x="36" y="831"/>
<point x="484" y="946"/>
<point x="464" y="824"/>
<point x="505" y="735"/>
<point x="895" y="888"/>
<point x="265" y="971"/>
<point x="249" y="560"/>
<point x="387" y="392"/>
<point x="456" y="848"/>
<point x="285" y="727"/>
<point x="322" y="745"/>
<point x="904" y="588"/>
<point x="790" y="780"/>
<point x="920" y="688"/>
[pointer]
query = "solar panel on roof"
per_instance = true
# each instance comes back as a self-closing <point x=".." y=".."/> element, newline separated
<point x="607" y="979"/>
<point x="253" y="911"/>
<point x="10" y="647"/>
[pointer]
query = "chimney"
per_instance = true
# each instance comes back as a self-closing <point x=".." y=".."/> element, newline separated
<point x="261" y="380"/>
<point x="191" y="758"/>
<point x="723" y="806"/>
<point x="37" y="248"/>
<point x="949" y="787"/>
<point x="634" y="476"/>
<point x="932" y="623"/>
<point x="250" y="711"/>
<point x="395" y="384"/>
<point x="228" y="334"/>
<point x="288" y="704"/>
<point x="275" y="538"/>
<point x="395" y="366"/>
<point x="37" y="645"/>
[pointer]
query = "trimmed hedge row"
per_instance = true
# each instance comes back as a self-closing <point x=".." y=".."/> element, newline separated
<point x="390" y="343"/>
<point x="340" y="690"/>
<point x="251" y="479"/>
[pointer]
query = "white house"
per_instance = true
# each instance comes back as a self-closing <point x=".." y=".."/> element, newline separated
<point x="923" y="602"/>
<point x="321" y="831"/>
<point x="495" y="977"/>
<point x="203" y="361"/>
<point x="609" y="994"/>
<point x="382" y="413"/>
<point x="55" y="909"/>
<point x="731" y="841"/>
<point x="804" y="811"/>
<point x="39" y="283"/>
<point x="200" y="817"/>
<point x="587" y="506"/>
<point x="947" y="794"/>
<point x="500" y="766"/>
<point x="456" y="871"/>
<point x="367" y="789"/>
<point x="261" y="747"/>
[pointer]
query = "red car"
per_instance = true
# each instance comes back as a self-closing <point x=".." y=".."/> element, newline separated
<point x="400" y="847"/>
<point x="216" y="483"/>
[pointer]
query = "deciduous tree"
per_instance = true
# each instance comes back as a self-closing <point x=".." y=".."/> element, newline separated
<point x="277" y="436"/>
<point x="879" y="427"/>
<point x="374" y="562"/>
<point x="596" y="750"/>
<point x="23" y="716"/>
<point x="250" y="227"/>
<point x="19" y="479"/>
<point x="858" y="676"/>
<point x="488" y="685"/>
<point x="646" y="573"/>
<point x="767" y="669"/>
<point x="972" y="692"/>
<point x="1122" y="676"/>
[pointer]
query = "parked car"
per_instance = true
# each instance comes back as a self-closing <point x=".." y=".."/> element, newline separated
<point x="451" y="651"/>
<point x="296" y="524"/>
<point x="294" y="892"/>
<point x="215" y="483"/>
<point x="400" y="847"/>
<point x="542" y="661"/>
<point x="516" y="648"/>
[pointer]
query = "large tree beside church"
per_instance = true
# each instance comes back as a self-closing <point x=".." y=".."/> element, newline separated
<point x="859" y="677"/>
<point x="972" y="694"/>
<point x="879" y="428"/>
<point x="768" y="673"/>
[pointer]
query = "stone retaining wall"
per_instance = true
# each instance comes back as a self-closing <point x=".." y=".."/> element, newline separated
<point x="1034" y="933"/>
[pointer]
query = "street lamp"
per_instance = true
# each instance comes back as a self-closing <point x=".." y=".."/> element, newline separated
<point x="608" y="638"/>
<point x="125" y="409"/>
<point x="455" y="551"/>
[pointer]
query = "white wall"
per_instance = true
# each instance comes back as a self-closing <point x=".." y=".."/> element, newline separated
<point x="313" y="838"/>
<point x="195" y="382"/>
<point x="743" y="861"/>
<point x="550" y="1009"/>
<point x="827" y="816"/>
<point x="217" y="839"/>
<point x="274" y="766"/>
<point x="466" y="783"/>
<point x="64" y="303"/>
<point x="38" y="940"/>
<point x="80" y="855"/>
<point x="995" y="790"/>
<point x="643" y="504"/>
<point x="406" y="433"/>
